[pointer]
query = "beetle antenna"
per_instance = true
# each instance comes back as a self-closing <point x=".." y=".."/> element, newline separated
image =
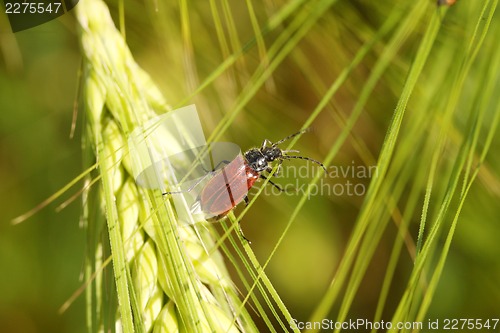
<point x="291" y="136"/>
<point x="289" y="157"/>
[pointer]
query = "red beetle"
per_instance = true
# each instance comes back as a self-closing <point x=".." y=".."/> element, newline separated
<point x="229" y="186"/>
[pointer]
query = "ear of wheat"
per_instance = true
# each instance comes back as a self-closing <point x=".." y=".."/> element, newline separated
<point x="166" y="278"/>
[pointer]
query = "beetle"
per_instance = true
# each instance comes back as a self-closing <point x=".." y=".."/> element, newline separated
<point x="229" y="186"/>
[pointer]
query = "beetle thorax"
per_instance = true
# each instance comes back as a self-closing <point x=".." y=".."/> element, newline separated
<point x="256" y="159"/>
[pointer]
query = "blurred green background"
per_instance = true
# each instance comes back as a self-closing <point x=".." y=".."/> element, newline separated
<point x="41" y="259"/>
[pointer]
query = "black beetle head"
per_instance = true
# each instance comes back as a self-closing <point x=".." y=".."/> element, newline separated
<point x="272" y="153"/>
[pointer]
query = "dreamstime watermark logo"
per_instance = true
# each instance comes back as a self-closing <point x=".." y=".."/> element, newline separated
<point x="338" y="180"/>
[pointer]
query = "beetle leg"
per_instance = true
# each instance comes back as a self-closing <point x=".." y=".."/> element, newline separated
<point x="271" y="182"/>
<point x="294" y="189"/>
<point x="242" y="234"/>
<point x="278" y="170"/>
<point x="266" y="143"/>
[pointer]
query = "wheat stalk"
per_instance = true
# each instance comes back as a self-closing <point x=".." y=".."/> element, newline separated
<point x="166" y="278"/>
